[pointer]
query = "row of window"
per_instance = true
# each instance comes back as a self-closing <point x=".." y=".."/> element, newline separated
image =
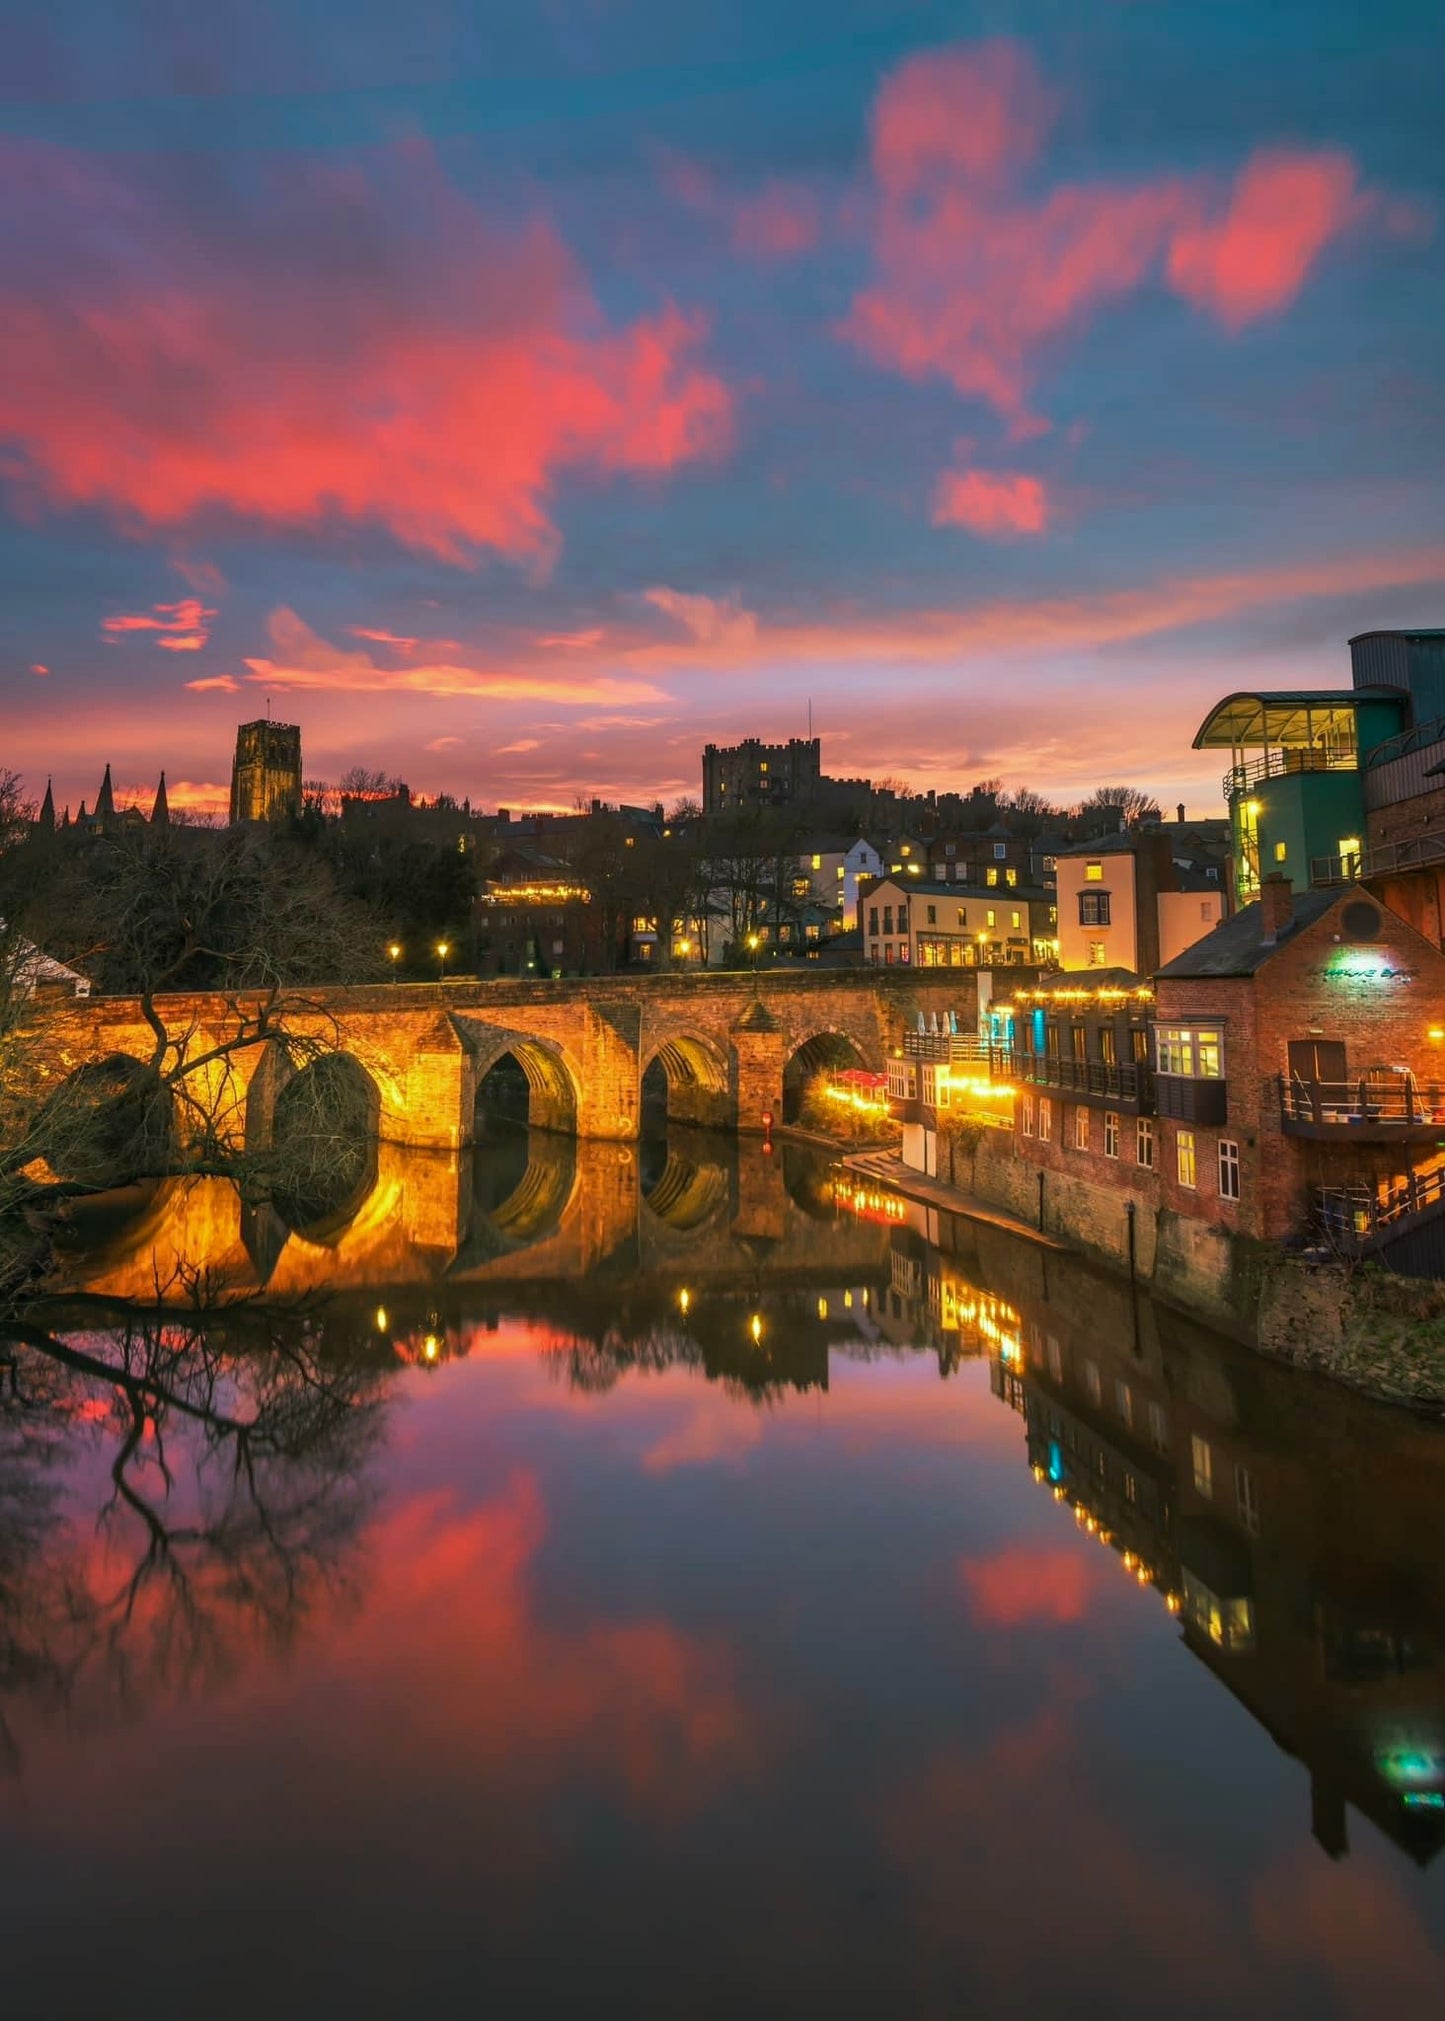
<point x="1185" y="1146"/>
<point x="990" y="918"/>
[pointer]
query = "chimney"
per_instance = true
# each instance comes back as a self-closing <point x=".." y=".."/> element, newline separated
<point x="1179" y="813"/>
<point x="1276" y="907"/>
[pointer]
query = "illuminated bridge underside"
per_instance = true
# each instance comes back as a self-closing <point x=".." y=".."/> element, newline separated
<point x="725" y="1044"/>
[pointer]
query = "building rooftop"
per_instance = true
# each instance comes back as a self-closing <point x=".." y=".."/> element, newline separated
<point x="1286" y="716"/>
<point x="1237" y="946"/>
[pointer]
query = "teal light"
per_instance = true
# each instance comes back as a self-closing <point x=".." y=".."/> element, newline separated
<point x="1409" y="1767"/>
<point x="1360" y="964"/>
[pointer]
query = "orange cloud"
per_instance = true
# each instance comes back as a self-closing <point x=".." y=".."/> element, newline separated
<point x="306" y="660"/>
<point x="182" y="627"/>
<point x="975" y="278"/>
<point x="1028" y="1583"/>
<point x="215" y="684"/>
<point x="354" y="367"/>
<point x="713" y="620"/>
<point x="991" y="502"/>
<point x="382" y="638"/>
<point x="185" y="796"/>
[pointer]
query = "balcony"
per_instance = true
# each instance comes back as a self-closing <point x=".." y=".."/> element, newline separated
<point x="1193" y="1098"/>
<point x="1128" y="1087"/>
<point x="1416" y="852"/>
<point x="1382" y="1107"/>
<point x="1356" y="1220"/>
<point x="1281" y="761"/>
<point x="941" y="1046"/>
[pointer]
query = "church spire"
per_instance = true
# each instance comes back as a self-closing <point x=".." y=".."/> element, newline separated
<point x="46" y="824"/>
<point x="105" y="799"/>
<point x="161" y="812"/>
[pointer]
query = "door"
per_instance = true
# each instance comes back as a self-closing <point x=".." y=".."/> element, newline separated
<point x="1317" y="1060"/>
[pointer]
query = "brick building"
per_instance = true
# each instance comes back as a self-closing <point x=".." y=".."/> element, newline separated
<point x="1294" y="1082"/>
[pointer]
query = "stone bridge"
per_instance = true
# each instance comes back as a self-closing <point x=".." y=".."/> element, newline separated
<point x="725" y="1044"/>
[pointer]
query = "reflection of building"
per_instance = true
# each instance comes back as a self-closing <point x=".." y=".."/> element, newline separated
<point x="266" y="772"/>
<point x="1309" y="1582"/>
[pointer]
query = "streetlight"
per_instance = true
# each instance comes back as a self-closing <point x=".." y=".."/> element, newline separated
<point x="394" y="955"/>
<point x="444" y="948"/>
<point x="754" y="943"/>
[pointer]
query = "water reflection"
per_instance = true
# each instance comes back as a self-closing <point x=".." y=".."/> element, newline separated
<point x="609" y="1517"/>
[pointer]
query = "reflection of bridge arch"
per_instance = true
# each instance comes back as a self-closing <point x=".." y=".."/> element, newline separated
<point x="523" y="1183"/>
<point x="110" y="1120"/>
<point x="550" y="1082"/>
<point x="688" y="1192"/>
<point x="820" y="1050"/>
<point x="697" y="1086"/>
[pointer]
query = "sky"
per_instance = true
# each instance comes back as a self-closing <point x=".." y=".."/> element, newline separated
<point x="519" y="398"/>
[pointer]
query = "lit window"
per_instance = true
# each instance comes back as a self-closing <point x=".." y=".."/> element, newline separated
<point x="1281" y="851"/>
<point x="1184" y="1153"/>
<point x="1010" y="877"/>
<point x="1124" y="1403"/>
<point x="1203" y="1460"/>
<point x="1081" y="1128"/>
<point x="1228" y="1169"/>
<point x="963" y="915"/>
<point x="1093" y="873"/>
<point x="1016" y="918"/>
<point x="1144" y="1143"/>
<point x="1158" y="1428"/>
<point x="1111" y="1134"/>
<point x="818" y="864"/>
<point x="993" y="877"/>
<point x="1026" y="1114"/>
<point x="1193" y="1051"/>
<point x="1046" y="1119"/>
<point x="1092" y="1383"/>
<point x="1246" y="1500"/>
<point x="1098" y="954"/>
<point x="992" y="917"/>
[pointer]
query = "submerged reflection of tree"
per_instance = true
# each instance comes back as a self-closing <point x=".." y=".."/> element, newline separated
<point x="234" y="1487"/>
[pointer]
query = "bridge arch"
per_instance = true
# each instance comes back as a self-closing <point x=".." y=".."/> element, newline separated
<point x="522" y="1186"/>
<point x="109" y="1122"/>
<point x="322" y="1155"/>
<point x="686" y="1078"/>
<point x="826" y="1048"/>
<point x="683" y="1191"/>
<point x="543" y="1089"/>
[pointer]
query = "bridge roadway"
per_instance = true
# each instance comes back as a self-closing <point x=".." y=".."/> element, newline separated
<point x="724" y="1041"/>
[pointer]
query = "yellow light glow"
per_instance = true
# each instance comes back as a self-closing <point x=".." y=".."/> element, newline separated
<point x="1436" y="1032"/>
<point x="444" y="948"/>
<point x="535" y="894"/>
<point x="755" y="1327"/>
<point x="431" y="1347"/>
<point x="684" y="1299"/>
<point x="381" y="1319"/>
<point x="395" y="951"/>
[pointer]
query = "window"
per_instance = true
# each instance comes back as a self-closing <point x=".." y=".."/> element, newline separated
<point x="1081" y="1128"/>
<point x="950" y="849"/>
<point x="1203" y="1460"/>
<point x="1131" y="1487"/>
<point x="1111" y="1134"/>
<point x="1098" y="954"/>
<point x="1228" y="1169"/>
<point x="1281" y="850"/>
<point x="1108" y="1048"/>
<point x="1046" y="1119"/>
<point x="873" y="919"/>
<point x="1056" y="1357"/>
<point x="1016" y="919"/>
<point x="933" y="915"/>
<point x="1094" y="908"/>
<point x="1246" y="1500"/>
<point x="993" y="877"/>
<point x="1010" y="877"/>
<point x="1093" y="873"/>
<point x="963" y="915"/>
<point x="888" y="919"/>
<point x="1206" y="908"/>
<point x="1000" y="850"/>
<point x="888" y="954"/>
<point x="1080" y="1042"/>
<point x="1092" y="1383"/>
<point x="1026" y="1114"/>
<point x="1158" y="1428"/>
<point x="1124" y="1402"/>
<point x="1194" y="1051"/>
<point x="817" y="862"/>
<point x="1184" y="1155"/>
<point x="1144" y="1143"/>
<point x="991" y="917"/>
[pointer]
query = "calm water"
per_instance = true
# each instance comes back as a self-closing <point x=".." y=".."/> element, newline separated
<point x="596" y="1583"/>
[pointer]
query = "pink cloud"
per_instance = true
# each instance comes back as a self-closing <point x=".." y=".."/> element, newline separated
<point x="778" y="223"/>
<point x="975" y="278"/>
<point x="713" y="620"/>
<point x="182" y="627"/>
<point x="441" y="743"/>
<point x="573" y="641"/>
<point x="215" y="684"/>
<point x="382" y="638"/>
<point x="991" y="503"/>
<point x="356" y="367"/>
<point x="39" y="669"/>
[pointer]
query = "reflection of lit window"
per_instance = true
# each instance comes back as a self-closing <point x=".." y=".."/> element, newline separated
<point x="1092" y="1382"/>
<point x="1203" y="1466"/>
<point x="1131" y="1487"/>
<point x="1144" y="1142"/>
<point x="1184" y="1148"/>
<point x="1124" y="1402"/>
<point x="1081" y="1128"/>
<point x="1229" y="1624"/>
<point x="1246" y="1499"/>
<point x="1111" y="1134"/>
<point x="1158" y="1428"/>
<point x="1056" y="1359"/>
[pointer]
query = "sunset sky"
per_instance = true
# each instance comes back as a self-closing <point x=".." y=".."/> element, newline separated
<point x="521" y="396"/>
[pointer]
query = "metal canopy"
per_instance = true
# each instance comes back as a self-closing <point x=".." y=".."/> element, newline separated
<point x="1296" y="717"/>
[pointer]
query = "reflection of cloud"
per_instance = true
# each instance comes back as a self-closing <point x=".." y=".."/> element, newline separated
<point x="389" y="357"/>
<point x="1028" y="1582"/>
<point x="182" y="627"/>
<point x="715" y="1432"/>
<point x="306" y="660"/>
<point x="975" y="277"/>
<point x="1352" y="1926"/>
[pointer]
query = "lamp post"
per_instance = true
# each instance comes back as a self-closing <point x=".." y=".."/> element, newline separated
<point x="754" y="943"/>
<point x="393" y="953"/>
<point x="443" y="950"/>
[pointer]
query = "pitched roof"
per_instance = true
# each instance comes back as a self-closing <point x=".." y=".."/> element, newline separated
<point x="1237" y="946"/>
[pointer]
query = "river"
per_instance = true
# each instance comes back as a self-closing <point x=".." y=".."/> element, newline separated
<point x="575" y="1580"/>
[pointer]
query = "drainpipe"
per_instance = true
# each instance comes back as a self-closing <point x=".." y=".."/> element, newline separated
<point x="1129" y="1211"/>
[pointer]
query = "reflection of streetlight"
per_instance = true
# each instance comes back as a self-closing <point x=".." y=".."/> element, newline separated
<point x="431" y="1347"/>
<point x="755" y="1327"/>
<point x="394" y="953"/>
<point x="684" y="948"/>
<point x="684" y="1300"/>
<point x="444" y="948"/>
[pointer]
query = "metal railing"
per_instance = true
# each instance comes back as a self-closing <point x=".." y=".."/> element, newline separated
<point x="1277" y="763"/>
<point x="1127" y="1080"/>
<point x="1396" y="1101"/>
<point x="1416" y="852"/>
<point x="1354" y="1213"/>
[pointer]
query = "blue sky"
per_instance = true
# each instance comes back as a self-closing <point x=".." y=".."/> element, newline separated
<point x="520" y="397"/>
